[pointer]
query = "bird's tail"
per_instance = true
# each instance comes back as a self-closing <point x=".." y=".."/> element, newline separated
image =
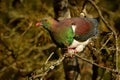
<point x="96" y="22"/>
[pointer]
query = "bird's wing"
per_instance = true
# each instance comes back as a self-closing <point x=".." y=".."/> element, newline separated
<point x="84" y="29"/>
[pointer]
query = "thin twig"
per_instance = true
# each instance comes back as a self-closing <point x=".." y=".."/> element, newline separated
<point x="113" y="30"/>
<point x="30" y="25"/>
<point x="49" y="69"/>
<point x="105" y="42"/>
<point x="83" y="6"/>
<point x="117" y="52"/>
<point x="100" y="14"/>
<point x="49" y="58"/>
<point x="106" y="68"/>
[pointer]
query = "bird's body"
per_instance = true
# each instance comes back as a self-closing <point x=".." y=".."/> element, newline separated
<point x="72" y="33"/>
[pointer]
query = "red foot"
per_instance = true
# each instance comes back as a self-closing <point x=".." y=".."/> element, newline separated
<point x="71" y="52"/>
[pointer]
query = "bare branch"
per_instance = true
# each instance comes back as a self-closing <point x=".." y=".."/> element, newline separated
<point x="100" y="14"/>
<point x="106" y="68"/>
<point x="49" y="68"/>
<point x="111" y="34"/>
<point x="27" y="29"/>
<point x="49" y="58"/>
<point x="111" y="28"/>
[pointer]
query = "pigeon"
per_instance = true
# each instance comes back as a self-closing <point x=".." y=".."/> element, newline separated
<point x="72" y="34"/>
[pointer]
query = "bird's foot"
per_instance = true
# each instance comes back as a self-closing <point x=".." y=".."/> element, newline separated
<point x="71" y="52"/>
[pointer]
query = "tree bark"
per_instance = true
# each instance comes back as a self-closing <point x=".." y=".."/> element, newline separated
<point x="61" y="9"/>
<point x="71" y="66"/>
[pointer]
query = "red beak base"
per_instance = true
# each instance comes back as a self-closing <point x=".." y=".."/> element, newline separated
<point x="38" y="24"/>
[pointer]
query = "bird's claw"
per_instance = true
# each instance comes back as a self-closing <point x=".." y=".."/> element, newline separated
<point x="71" y="52"/>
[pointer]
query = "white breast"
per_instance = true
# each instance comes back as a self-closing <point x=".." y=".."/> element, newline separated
<point x="74" y="27"/>
<point x="79" y="46"/>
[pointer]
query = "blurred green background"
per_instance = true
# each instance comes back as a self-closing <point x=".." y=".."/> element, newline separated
<point x="24" y="48"/>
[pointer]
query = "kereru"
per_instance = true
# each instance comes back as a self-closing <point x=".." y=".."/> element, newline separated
<point x="72" y="33"/>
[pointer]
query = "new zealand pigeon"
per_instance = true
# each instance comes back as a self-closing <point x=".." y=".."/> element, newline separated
<point x="72" y="33"/>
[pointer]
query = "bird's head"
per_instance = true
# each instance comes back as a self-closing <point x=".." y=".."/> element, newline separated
<point x="44" y="23"/>
<point x="47" y="23"/>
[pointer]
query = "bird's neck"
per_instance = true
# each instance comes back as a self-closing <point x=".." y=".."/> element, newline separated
<point x="54" y="23"/>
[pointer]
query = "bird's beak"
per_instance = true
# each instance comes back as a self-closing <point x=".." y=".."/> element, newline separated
<point x="39" y="24"/>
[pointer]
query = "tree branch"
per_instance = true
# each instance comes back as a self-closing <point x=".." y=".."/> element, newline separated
<point x="110" y="27"/>
<point x="106" y="68"/>
<point x="49" y="68"/>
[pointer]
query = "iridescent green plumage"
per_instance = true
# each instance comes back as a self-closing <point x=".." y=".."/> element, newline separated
<point x="63" y="36"/>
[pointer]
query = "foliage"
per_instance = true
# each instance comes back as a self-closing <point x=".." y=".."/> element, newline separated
<point x="24" y="48"/>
